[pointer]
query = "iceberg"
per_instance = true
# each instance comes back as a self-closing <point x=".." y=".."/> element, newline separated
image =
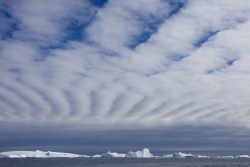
<point x="36" y="154"/>
<point x="227" y="157"/>
<point x="202" y="156"/>
<point x="242" y="156"/>
<point x="86" y="156"/>
<point x="55" y="154"/>
<point x="183" y="155"/>
<point x="18" y="154"/>
<point x="145" y="153"/>
<point x="114" y="154"/>
<point x="168" y="156"/>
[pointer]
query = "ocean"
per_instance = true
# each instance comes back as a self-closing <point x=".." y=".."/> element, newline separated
<point x="123" y="162"/>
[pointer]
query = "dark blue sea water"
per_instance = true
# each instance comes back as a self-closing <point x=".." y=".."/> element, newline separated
<point x="122" y="162"/>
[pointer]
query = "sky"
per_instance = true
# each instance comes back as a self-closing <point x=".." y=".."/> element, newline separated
<point x="91" y="76"/>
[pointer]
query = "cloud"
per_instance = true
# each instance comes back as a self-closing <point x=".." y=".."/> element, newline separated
<point x="209" y="140"/>
<point x="121" y="23"/>
<point x="125" y="65"/>
<point x="48" y="23"/>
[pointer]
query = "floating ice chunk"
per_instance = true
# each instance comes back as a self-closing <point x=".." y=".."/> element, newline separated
<point x="114" y="154"/>
<point x="227" y="157"/>
<point x="84" y="156"/>
<point x="168" y="156"/>
<point x="242" y="156"/>
<point x="183" y="155"/>
<point x="96" y="156"/>
<point x="145" y="153"/>
<point x="202" y="156"/>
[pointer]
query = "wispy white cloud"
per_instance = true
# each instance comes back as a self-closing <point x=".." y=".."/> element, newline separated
<point x="47" y="22"/>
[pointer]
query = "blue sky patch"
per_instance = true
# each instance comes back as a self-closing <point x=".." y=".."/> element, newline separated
<point x="205" y="38"/>
<point x="176" y="6"/>
<point x="98" y="3"/>
<point x="231" y="62"/>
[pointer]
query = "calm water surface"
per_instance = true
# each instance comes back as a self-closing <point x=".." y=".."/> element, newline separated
<point x="122" y="162"/>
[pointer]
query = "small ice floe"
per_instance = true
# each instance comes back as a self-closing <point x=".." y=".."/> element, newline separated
<point x="96" y="156"/>
<point x="202" y="156"/>
<point x="168" y="156"/>
<point x="226" y="157"/>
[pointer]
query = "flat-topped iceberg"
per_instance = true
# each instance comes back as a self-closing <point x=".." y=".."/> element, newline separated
<point x="18" y="154"/>
<point x="114" y="154"/>
<point x="36" y="154"/>
<point x="55" y="154"/>
<point x="183" y="155"/>
<point x="145" y="153"/>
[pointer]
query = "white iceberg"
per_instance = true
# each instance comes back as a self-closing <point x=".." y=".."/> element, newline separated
<point x="242" y="156"/>
<point x="183" y="155"/>
<point x="37" y="154"/>
<point x="86" y="156"/>
<point x="168" y="156"/>
<point x="18" y="154"/>
<point x="227" y="157"/>
<point x="96" y="156"/>
<point x="55" y="154"/>
<point x="145" y="153"/>
<point x="114" y="154"/>
<point x="202" y="156"/>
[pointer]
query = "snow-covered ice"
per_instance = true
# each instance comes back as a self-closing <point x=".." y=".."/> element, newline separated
<point x="114" y="154"/>
<point x="225" y="157"/>
<point x="55" y="154"/>
<point x="183" y="155"/>
<point x="168" y="156"/>
<point x="37" y="154"/>
<point x="202" y="156"/>
<point x="18" y="154"/>
<point x="145" y="153"/>
<point x="242" y="156"/>
<point x="86" y="156"/>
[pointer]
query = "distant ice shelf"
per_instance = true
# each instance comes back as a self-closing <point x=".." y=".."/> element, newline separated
<point x="36" y="154"/>
<point x="145" y="153"/>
